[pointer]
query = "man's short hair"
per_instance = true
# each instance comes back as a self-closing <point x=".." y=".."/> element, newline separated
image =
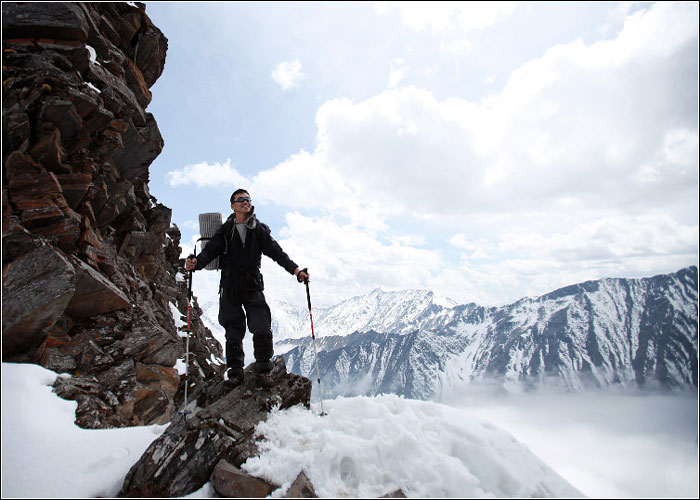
<point x="236" y="193"/>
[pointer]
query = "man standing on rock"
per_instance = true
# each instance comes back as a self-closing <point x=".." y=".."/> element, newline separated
<point x="240" y="243"/>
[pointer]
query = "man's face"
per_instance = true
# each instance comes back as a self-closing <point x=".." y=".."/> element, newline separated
<point x="242" y="203"/>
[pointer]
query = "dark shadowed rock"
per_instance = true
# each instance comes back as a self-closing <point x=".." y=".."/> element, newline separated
<point x="63" y="115"/>
<point x="150" y="54"/>
<point x="61" y="20"/>
<point x="141" y="146"/>
<point x="395" y="494"/>
<point x="74" y="187"/>
<point x="94" y="294"/>
<point x="220" y="425"/>
<point x="16" y="240"/>
<point x="48" y="150"/>
<point x="231" y="482"/>
<point x="36" y="290"/>
<point x="15" y="130"/>
<point x="301" y="488"/>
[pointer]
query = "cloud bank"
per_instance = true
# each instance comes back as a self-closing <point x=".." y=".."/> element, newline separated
<point x="584" y="164"/>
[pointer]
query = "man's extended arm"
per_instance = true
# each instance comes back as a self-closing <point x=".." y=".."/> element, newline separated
<point x="272" y="249"/>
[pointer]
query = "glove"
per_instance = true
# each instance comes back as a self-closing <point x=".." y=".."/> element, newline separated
<point x="305" y="278"/>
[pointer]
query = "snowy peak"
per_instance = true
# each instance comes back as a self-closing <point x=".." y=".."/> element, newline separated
<point x="383" y="312"/>
<point x="380" y="311"/>
<point x="624" y="332"/>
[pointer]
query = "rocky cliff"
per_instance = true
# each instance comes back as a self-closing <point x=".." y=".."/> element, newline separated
<point x="90" y="259"/>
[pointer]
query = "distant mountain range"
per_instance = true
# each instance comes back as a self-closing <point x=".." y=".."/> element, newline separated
<point x="609" y="332"/>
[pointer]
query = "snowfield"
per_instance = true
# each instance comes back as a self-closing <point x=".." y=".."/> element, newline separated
<point x="370" y="446"/>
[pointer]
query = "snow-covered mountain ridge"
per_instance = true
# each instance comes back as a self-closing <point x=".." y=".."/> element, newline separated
<point x="382" y="311"/>
<point x="626" y="332"/>
<point x="397" y="312"/>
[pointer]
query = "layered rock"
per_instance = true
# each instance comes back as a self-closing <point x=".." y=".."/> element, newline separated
<point x="90" y="258"/>
<point x="213" y="436"/>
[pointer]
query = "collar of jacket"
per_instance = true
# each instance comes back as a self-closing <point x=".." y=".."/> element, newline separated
<point x="251" y="222"/>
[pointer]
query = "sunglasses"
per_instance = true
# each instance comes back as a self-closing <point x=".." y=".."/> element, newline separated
<point x="242" y="199"/>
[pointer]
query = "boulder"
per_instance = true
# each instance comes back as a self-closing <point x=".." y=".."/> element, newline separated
<point x="35" y="189"/>
<point x="150" y="343"/>
<point x="49" y="151"/>
<point x="119" y="91"/>
<point x="158" y="377"/>
<point x="63" y="115"/>
<point x="231" y="482"/>
<point x="59" y="20"/>
<point x="94" y="294"/>
<point x="137" y="83"/>
<point x="395" y="494"/>
<point x="59" y="225"/>
<point x="74" y="187"/>
<point x="53" y="354"/>
<point x="142" y="144"/>
<point x="37" y="288"/>
<point x="15" y="130"/>
<point x="301" y="488"/>
<point x="21" y="168"/>
<point x="150" y="54"/>
<point x="16" y="240"/>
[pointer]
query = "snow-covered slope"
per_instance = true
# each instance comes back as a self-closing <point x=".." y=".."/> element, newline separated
<point x="365" y="447"/>
<point x="381" y="311"/>
<point x="628" y="332"/>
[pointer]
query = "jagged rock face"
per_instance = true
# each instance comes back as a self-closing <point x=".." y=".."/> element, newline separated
<point x="89" y="256"/>
<point x="214" y="438"/>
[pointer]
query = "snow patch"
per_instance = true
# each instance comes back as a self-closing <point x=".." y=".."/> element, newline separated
<point x="367" y="447"/>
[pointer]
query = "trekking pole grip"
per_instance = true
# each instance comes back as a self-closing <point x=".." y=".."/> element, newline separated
<point x="306" y="282"/>
<point x="189" y="288"/>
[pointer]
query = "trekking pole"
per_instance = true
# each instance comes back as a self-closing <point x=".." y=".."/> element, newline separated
<point x="313" y="338"/>
<point x="187" y="342"/>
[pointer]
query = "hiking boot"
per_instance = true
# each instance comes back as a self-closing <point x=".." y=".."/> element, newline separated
<point x="264" y="381"/>
<point x="262" y="367"/>
<point x="235" y="378"/>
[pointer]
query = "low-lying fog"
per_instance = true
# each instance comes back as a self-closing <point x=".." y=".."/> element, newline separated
<point x="606" y="444"/>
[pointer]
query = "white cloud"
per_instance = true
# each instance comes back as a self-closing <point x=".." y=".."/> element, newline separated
<point x="576" y="169"/>
<point x="607" y="238"/>
<point x="461" y="241"/>
<point x="307" y="182"/>
<point x="453" y="21"/>
<point x="570" y="128"/>
<point x="206" y="174"/>
<point x="397" y="72"/>
<point x="410" y="239"/>
<point x="288" y="74"/>
<point x="681" y="148"/>
<point x="442" y="16"/>
<point x="338" y="253"/>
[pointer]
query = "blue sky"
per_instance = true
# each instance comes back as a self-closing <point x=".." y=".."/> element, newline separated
<point x="484" y="151"/>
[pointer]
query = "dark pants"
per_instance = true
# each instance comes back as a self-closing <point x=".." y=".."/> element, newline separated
<point x="233" y="318"/>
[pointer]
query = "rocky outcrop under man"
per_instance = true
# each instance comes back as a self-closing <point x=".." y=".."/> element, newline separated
<point x="214" y="437"/>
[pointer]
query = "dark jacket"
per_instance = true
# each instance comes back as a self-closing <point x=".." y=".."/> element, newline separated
<point x="240" y="264"/>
